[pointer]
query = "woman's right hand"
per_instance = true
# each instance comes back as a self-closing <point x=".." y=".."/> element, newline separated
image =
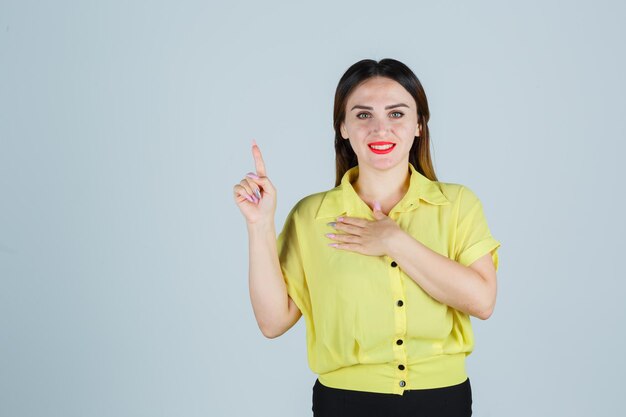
<point x="253" y="208"/>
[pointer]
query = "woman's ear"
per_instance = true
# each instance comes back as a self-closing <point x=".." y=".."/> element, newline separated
<point x="344" y="132"/>
<point x="418" y="130"/>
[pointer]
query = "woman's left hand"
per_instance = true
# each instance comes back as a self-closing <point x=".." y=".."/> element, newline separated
<point x="369" y="237"/>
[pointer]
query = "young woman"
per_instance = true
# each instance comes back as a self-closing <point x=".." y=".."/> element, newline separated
<point x="386" y="268"/>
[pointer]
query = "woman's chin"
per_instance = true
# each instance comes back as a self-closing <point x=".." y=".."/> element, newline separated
<point x="382" y="163"/>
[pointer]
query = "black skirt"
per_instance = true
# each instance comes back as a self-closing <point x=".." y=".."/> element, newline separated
<point x="452" y="401"/>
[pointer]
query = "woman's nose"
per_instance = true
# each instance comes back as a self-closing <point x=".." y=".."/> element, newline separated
<point x="381" y="125"/>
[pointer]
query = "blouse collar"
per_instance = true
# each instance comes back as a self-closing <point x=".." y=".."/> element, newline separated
<point x="344" y="200"/>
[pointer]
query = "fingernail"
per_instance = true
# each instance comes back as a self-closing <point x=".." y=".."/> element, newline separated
<point x="331" y="235"/>
<point x="252" y="175"/>
<point x="377" y="205"/>
<point x="257" y="193"/>
<point x="331" y="224"/>
<point x="254" y="143"/>
<point x="340" y="219"/>
<point x="249" y="198"/>
<point x="256" y="200"/>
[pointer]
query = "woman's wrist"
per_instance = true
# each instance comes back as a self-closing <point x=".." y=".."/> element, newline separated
<point x="261" y="226"/>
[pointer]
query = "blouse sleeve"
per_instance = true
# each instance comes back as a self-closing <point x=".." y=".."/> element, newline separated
<point x="473" y="238"/>
<point x="291" y="264"/>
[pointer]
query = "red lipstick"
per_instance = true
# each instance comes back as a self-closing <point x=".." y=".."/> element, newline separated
<point x="381" y="151"/>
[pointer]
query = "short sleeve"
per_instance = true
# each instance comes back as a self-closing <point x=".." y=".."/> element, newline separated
<point x="291" y="262"/>
<point x="473" y="238"/>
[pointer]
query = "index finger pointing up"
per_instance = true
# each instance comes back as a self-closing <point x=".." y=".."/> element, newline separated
<point x="258" y="160"/>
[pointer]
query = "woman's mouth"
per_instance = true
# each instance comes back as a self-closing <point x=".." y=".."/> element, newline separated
<point x="381" y="147"/>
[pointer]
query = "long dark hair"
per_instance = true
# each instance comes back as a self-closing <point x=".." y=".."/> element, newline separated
<point x="419" y="155"/>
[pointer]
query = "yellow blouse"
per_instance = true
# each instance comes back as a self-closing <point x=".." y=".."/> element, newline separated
<point x="369" y="326"/>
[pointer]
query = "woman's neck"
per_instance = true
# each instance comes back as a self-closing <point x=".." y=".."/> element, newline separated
<point x="387" y="187"/>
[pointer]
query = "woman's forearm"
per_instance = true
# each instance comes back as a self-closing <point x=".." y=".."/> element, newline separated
<point x="444" y="279"/>
<point x="268" y="291"/>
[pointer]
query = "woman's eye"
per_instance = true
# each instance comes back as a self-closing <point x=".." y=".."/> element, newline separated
<point x="366" y="115"/>
<point x="398" y="113"/>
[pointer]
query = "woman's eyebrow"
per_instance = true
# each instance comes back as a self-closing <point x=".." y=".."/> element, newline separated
<point x="393" y="106"/>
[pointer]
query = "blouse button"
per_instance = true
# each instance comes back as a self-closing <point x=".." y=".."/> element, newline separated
<point x="400" y="303"/>
<point x="401" y="367"/>
<point x="394" y="264"/>
<point x="399" y="341"/>
<point x="402" y="383"/>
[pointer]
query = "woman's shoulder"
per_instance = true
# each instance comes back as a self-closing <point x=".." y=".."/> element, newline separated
<point x="457" y="193"/>
<point x="311" y="202"/>
<point x="309" y="206"/>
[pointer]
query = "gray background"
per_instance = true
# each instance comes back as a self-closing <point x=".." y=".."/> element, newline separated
<point x="124" y="127"/>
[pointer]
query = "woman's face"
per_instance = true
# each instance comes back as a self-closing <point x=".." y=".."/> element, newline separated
<point x="380" y="110"/>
